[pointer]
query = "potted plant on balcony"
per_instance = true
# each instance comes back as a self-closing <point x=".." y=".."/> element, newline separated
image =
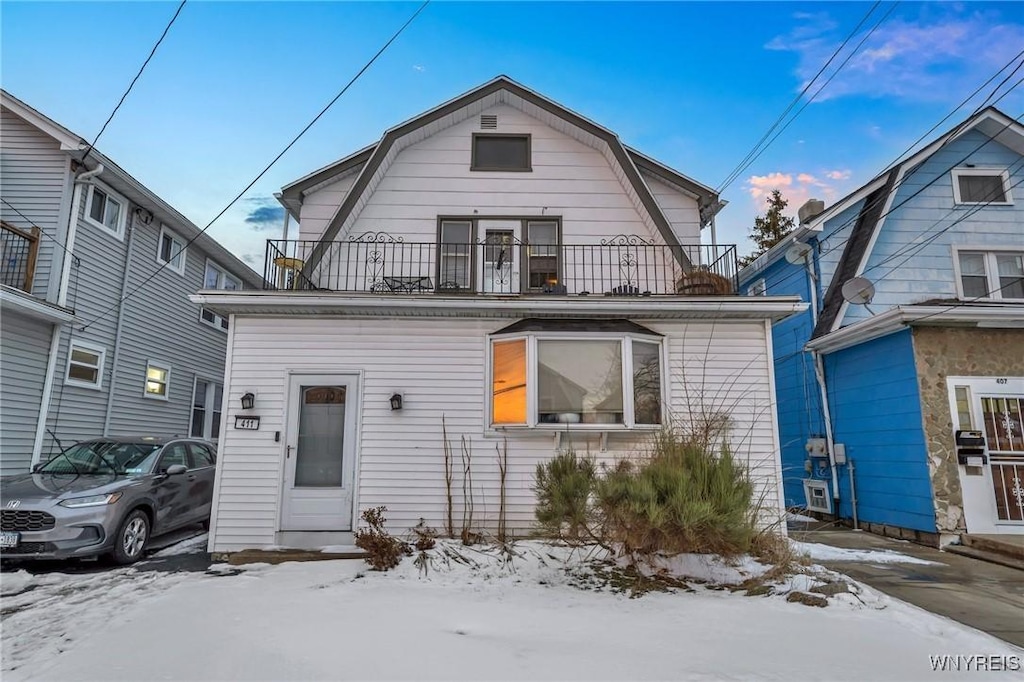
<point x="702" y="282"/>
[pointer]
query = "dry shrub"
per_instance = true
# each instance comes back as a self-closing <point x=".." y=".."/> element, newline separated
<point x="426" y="537"/>
<point x="704" y="283"/>
<point x="385" y="551"/>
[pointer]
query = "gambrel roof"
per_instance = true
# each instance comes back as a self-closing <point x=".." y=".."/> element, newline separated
<point x="371" y="163"/>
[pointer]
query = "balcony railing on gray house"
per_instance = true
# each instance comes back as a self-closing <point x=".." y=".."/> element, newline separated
<point x="620" y="266"/>
<point x="18" y="251"/>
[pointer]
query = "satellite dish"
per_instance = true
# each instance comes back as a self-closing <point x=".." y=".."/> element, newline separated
<point x="859" y="290"/>
<point x="797" y="254"/>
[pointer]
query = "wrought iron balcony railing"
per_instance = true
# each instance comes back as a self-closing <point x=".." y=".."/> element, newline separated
<point x="18" y="251"/>
<point x="619" y="266"/>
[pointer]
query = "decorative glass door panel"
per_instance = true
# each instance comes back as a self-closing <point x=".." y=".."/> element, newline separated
<point x="1004" y="435"/>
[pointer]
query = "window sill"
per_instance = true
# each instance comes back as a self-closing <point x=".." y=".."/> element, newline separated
<point x="82" y="384"/>
<point x="982" y="203"/>
<point x="150" y="396"/>
<point x="116" y="234"/>
<point x="167" y="264"/>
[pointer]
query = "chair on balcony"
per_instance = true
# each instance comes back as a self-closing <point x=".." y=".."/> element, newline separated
<point x="408" y="284"/>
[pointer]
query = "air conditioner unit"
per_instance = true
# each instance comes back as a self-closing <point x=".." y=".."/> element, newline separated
<point x="817" y="496"/>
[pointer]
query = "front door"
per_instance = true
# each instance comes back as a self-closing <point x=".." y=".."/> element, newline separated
<point x="993" y="493"/>
<point x="320" y="453"/>
<point x="499" y="267"/>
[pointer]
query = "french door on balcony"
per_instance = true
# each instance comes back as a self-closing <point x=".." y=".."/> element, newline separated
<point x="499" y="262"/>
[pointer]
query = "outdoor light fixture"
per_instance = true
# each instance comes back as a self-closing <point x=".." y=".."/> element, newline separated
<point x="396" y="401"/>
<point x="248" y="400"/>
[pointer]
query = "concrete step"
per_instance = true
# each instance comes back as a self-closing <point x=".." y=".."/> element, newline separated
<point x="984" y="555"/>
<point x="254" y="556"/>
<point x="1008" y="545"/>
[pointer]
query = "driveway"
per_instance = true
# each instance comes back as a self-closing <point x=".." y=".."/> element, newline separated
<point x="983" y="595"/>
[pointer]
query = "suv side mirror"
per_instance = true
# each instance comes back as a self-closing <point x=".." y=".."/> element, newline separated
<point x="37" y="466"/>
<point x="176" y="469"/>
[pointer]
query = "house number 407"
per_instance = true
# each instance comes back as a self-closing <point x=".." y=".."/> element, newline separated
<point x="1001" y="381"/>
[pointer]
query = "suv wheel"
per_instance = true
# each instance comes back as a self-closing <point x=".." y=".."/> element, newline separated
<point x="131" y="538"/>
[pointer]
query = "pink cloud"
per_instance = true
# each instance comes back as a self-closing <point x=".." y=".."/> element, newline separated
<point x="838" y="175"/>
<point x="796" y="188"/>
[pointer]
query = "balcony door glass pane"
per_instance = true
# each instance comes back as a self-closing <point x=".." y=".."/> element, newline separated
<point x="455" y="255"/>
<point x="579" y="382"/>
<point x="542" y="255"/>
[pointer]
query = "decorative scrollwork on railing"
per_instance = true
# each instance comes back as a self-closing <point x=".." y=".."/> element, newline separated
<point x="378" y="237"/>
<point x="628" y="267"/>
<point x="626" y="240"/>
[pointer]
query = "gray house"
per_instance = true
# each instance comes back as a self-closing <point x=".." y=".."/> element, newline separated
<point x="79" y="359"/>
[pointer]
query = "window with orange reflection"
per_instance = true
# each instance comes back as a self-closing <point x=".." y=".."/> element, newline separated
<point x="508" y="390"/>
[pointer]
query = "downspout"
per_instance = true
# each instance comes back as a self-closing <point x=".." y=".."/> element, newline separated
<point x="819" y="372"/>
<point x="62" y="297"/>
<point x="120" y="324"/>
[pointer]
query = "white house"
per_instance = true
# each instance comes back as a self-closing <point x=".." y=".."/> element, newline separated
<point x="499" y="274"/>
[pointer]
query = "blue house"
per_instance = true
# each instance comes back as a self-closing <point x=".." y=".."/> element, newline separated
<point x="900" y="390"/>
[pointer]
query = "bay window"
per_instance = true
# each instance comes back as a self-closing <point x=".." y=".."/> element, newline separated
<point x="591" y="381"/>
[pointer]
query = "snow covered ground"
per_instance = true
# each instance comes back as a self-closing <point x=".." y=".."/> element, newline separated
<point x="470" y="614"/>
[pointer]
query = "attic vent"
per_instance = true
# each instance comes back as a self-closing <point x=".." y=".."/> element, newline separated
<point x="488" y="120"/>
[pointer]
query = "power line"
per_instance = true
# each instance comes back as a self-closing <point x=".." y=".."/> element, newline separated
<point x="263" y="172"/>
<point x="740" y="166"/>
<point x="812" y="97"/>
<point x="881" y="199"/>
<point x="134" y="80"/>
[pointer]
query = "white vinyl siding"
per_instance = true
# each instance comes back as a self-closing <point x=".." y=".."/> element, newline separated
<point x="439" y="367"/>
<point x="37" y="183"/>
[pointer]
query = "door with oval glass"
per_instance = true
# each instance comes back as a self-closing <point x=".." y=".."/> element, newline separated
<point x="320" y="453"/>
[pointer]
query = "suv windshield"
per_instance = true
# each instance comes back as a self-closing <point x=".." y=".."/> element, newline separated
<point x="103" y="457"/>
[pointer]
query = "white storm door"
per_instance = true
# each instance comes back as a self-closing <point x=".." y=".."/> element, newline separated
<point x="499" y="264"/>
<point x="320" y="453"/>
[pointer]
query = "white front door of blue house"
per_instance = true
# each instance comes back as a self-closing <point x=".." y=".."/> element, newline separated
<point x="320" y="453"/>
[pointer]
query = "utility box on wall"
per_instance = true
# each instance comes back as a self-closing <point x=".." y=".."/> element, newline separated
<point x="816" y="447"/>
<point x="970" y="448"/>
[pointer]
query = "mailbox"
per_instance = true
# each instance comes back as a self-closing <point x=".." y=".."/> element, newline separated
<point x="970" y="448"/>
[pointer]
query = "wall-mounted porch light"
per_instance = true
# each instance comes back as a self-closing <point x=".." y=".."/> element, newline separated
<point x="396" y="401"/>
<point x="248" y="400"/>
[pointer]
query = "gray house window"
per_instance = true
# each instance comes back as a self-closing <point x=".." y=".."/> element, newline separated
<point x="207" y="397"/>
<point x="106" y="210"/>
<point x="216" y="278"/>
<point x="85" y="365"/>
<point x="501" y="153"/>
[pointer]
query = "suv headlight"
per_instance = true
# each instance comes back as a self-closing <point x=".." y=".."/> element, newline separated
<point x="90" y="500"/>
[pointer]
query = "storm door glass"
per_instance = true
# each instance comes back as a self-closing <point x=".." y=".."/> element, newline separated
<point x="319" y="452"/>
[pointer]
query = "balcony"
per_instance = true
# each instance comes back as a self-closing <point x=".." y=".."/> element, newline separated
<point x="621" y="266"/>
<point x="18" y="251"/>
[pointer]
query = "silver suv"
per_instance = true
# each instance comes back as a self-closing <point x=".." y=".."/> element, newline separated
<point x="106" y="496"/>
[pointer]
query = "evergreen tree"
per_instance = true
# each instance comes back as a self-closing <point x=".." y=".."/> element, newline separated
<point x="770" y="228"/>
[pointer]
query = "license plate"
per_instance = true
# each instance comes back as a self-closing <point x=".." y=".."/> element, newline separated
<point x="9" y="539"/>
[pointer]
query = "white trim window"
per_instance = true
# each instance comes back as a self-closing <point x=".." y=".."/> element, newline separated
<point x="158" y="380"/>
<point x="106" y="210"/>
<point x="981" y="186"/>
<point x="171" y="250"/>
<point x="217" y="278"/>
<point x="207" y="397"/>
<point x="85" y="365"/>
<point x="990" y="275"/>
<point x="553" y="380"/>
<point x="757" y="288"/>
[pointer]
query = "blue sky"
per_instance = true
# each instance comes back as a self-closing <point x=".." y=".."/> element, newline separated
<point x="692" y="84"/>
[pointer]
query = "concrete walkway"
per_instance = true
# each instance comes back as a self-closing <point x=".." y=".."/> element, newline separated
<point x="983" y="595"/>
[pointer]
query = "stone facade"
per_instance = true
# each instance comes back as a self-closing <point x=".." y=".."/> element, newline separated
<point x="940" y="352"/>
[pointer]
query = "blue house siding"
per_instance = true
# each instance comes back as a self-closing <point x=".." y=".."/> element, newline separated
<point x="912" y="260"/>
<point x="876" y="413"/>
<point x="797" y="405"/>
